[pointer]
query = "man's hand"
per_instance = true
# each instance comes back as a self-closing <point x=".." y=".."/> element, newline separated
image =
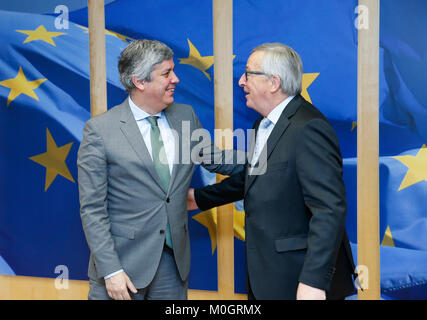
<point x="305" y="292"/>
<point x="191" y="201"/>
<point x="117" y="286"/>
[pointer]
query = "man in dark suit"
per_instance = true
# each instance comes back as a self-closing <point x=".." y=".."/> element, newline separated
<point x="293" y="190"/>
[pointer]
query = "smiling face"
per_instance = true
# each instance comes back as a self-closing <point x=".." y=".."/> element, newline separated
<point x="256" y="86"/>
<point x="158" y="93"/>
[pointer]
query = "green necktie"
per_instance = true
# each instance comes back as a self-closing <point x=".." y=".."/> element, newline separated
<point x="160" y="163"/>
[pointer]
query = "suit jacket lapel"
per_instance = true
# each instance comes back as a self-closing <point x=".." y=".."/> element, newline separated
<point x="131" y="131"/>
<point x="278" y="130"/>
<point x="253" y="139"/>
<point x="250" y="178"/>
<point x="175" y="123"/>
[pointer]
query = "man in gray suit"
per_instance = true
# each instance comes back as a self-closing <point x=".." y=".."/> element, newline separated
<point x="133" y="184"/>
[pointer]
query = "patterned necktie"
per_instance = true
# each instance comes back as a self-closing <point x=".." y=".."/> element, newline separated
<point x="261" y="138"/>
<point x="160" y="163"/>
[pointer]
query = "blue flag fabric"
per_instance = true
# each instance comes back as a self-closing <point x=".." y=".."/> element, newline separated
<point x="44" y="103"/>
<point x="40" y="226"/>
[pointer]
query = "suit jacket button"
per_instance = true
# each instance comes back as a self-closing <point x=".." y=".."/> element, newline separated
<point x="162" y="231"/>
<point x="168" y="200"/>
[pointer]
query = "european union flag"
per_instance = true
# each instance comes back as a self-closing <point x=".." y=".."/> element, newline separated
<point x="325" y="36"/>
<point x="403" y="137"/>
<point x="44" y="101"/>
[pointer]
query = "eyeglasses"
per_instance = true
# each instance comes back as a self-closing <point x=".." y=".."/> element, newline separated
<point x="252" y="72"/>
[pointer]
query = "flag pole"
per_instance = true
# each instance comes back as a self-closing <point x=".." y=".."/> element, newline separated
<point x="223" y="87"/>
<point x="98" y="78"/>
<point x="367" y="151"/>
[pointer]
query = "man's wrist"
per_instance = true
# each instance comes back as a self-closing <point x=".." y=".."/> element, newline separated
<point x="112" y="274"/>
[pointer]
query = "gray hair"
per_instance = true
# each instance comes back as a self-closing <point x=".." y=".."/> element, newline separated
<point x="139" y="59"/>
<point x="283" y="61"/>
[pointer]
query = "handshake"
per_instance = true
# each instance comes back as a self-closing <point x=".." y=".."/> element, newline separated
<point x="191" y="201"/>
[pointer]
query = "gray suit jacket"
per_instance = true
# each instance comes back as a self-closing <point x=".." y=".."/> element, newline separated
<point x="124" y="206"/>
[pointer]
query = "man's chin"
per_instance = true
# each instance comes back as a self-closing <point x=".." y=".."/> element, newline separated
<point x="168" y="103"/>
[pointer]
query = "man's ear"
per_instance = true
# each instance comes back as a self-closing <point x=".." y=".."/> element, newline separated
<point x="275" y="84"/>
<point x="140" y="84"/>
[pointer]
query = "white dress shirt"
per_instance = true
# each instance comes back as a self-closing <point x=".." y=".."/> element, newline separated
<point x="264" y="133"/>
<point x="275" y="114"/>
<point x="165" y="131"/>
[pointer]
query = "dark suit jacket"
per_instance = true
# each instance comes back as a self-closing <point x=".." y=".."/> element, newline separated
<point x="295" y="211"/>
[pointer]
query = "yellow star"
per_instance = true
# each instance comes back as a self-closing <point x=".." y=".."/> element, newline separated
<point x="20" y="85"/>
<point x="239" y="224"/>
<point x="197" y="61"/>
<point x="417" y="168"/>
<point x="109" y="33"/>
<point x="40" y="34"/>
<point x="307" y="80"/>
<point x="353" y="125"/>
<point x="117" y="35"/>
<point x="388" y="238"/>
<point x="208" y="219"/>
<point x="54" y="160"/>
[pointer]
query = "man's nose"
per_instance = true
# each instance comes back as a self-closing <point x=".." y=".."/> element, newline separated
<point x="242" y="80"/>
<point x="174" y="79"/>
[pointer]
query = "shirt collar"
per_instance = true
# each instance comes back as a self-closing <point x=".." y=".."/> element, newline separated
<point x="275" y="114"/>
<point x="140" y="114"/>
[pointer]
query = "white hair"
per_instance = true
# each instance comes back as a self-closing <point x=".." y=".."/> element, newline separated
<point x="283" y="61"/>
